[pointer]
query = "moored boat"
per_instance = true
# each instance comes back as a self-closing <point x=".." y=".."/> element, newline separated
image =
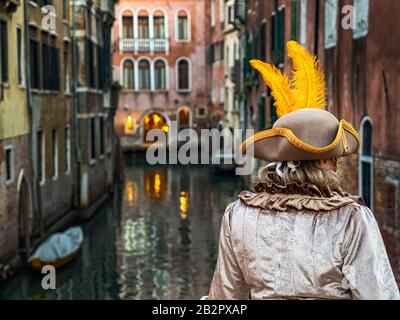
<point x="58" y="249"/>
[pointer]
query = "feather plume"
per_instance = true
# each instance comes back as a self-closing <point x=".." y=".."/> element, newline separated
<point x="279" y="84"/>
<point x="308" y="78"/>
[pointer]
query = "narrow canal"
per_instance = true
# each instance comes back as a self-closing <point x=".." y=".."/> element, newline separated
<point x="158" y="240"/>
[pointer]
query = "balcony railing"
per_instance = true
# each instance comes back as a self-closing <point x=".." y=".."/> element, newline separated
<point x="144" y="45"/>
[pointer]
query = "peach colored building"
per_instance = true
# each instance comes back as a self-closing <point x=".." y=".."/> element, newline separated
<point x="159" y="61"/>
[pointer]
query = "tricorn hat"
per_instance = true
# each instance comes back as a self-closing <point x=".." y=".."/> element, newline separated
<point x="304" y="131"/>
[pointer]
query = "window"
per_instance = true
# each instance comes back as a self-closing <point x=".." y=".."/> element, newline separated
<point x="92" y="133"/>
<point x="40" y="156"/>
<point x="65" y="9"/>
<point x="90" y="64"/>
<point x="366" y="163"/>
<point x="50" y="63"/>
<point x="331" y="16"/>
<point x="221" y="11"/>
<point x="127" y="25"/>
<point x="102" y="136"/>
<point x="212" y="13"/>
<point x="159" y="25"/>
<point x="183" y="75"/>
<point x="160" y="79"/>
<point x="19" y="54"/>
<point x="143" y="22"/>
<point x="183" y="26"/>
<point x="201" y="111"/>
<point x="101" y="70"/>
<point x="3" y="52"/>
<point x="295" y="21"/>
<point x="9" y="156"/>
<point x="45" y="61"/>
<point x="361" y="11"/>
<point x="128" y="74"/>
<point x="34" y="59"/>
<point x="66" y="71"/>
<point x="144" y="75"/>
<point x="263" y="42"/>
<point x="231" y="15"/>
<point x="67" y="153"/>
<point x="54" y="152"/>
<point x="211" y="53"/>
<point x="278" y="36"/>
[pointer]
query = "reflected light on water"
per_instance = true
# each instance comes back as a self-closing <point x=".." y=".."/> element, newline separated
<point x="184" y="204"/>
<point x="155" y="184"/>
<point x="131" y="194"/>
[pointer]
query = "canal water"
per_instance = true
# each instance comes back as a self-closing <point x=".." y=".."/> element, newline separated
<point x="157" y="239"/>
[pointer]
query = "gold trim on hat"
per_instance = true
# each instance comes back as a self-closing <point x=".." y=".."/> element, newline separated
<point x="301" y="145"/>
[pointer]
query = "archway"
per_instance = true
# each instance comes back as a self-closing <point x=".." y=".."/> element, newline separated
<point x="184" y="118"/>
<point x="25" y="218"/>
<point x="154" y="120"/>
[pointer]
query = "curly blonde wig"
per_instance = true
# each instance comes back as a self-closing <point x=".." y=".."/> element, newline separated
<point x="292" y="177"/>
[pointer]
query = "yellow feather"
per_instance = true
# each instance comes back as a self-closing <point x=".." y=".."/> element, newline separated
<point x="279" y="84"/>
<point x="308" y="78"/>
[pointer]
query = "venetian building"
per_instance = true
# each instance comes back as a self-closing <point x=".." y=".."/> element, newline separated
<point x="17" y="218"/>
<point x="159" y="62"/>
<point x="232" y="66"/>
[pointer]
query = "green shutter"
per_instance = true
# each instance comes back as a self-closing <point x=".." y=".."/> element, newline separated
<point x="295" y="21"/>
<point x="274" y="38"/>
<point x="281" y="36"/>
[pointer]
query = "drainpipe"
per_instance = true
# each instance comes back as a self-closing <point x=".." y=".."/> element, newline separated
<point x="36" y="196"/>
<point x="75" y="105"/>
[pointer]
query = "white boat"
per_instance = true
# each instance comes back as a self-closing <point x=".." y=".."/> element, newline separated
<point x="58" y="249"/>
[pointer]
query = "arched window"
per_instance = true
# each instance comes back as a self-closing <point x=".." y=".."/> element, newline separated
<point x="183" y="75"/>
<point x="366" y="163"/>
<point x="144" y="75"/>
<point x="127" y="25"/>
<point x="159" y="25"/>
<point x="128" y="75"/>
<point x="182" y="32"/>
<point x="143" y="22"/>
<point x="160" y="75"/>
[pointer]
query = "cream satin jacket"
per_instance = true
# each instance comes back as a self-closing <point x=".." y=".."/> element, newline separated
<point x="278" y="246"/>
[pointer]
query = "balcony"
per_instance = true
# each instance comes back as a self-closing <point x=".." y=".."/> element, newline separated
<point x="144" y="45"/>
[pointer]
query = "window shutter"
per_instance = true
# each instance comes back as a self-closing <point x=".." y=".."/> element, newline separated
<point x="281" y="35"/>
<point x="295" y="21"/>
<point x="361" y="10"/>
<point x="331" y="15"/>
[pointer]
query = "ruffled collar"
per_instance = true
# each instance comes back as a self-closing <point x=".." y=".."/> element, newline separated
<point x="298" y="202"/>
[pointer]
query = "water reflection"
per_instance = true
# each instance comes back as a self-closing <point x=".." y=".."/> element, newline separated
<point x="157" y="240"/>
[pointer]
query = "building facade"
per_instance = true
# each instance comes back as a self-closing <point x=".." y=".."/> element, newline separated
<point x="160" y="63"/>
<point x="17" y="219"/>
<point x="360" y="59"/>
<point x="232" y="66"/>
<point x="58" y="159"/>
<point x="95" y="102"/>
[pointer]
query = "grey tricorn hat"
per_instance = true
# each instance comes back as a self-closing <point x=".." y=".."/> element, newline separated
<point x="304" y="134"/>
<point x="305" y="131"/>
